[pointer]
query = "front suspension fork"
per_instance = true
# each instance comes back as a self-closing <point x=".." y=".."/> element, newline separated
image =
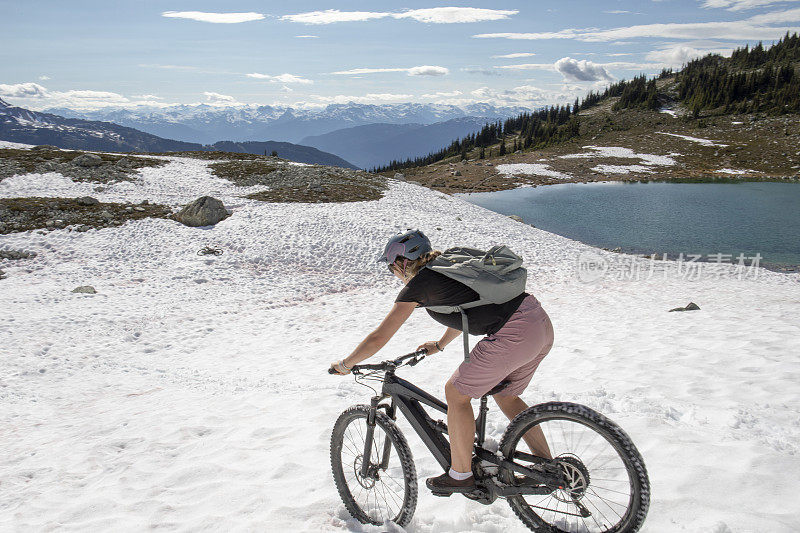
<point x="372" y="416"/>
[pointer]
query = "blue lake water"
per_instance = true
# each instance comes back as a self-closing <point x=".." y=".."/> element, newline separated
<point x="673" y="218"/>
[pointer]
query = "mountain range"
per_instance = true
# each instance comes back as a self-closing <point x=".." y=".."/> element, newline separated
<point x="373" y="145"/>
<point x="207" y="124"/>
<point x="22" y="125"/>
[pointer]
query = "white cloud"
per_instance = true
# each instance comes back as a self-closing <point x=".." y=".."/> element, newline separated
<point x="583" y="70"/>
<point x="753" y="28"/>
<point x="217" y="18"/>
<point x="306" y="36"/>
<point x="514" y="56"/>
<point x="739" y="5"/>
<point x="523" y="95"/>
<point x="281" y="78"/>
<point x="220" y="99"/>
<point x="790" y="15"/>
<point x="428" y="70"/>
<point x="330" y="16"/>
<point x="480" y="70"/>
<point x="369" y="71"/>
<point x="454" y="15"/>
<point x="105" y="96"/>
<point x="44" y="78"/>
<point x="147" y="97"/>
<point x="529" y="66"/>
<point x="366" y="99"/>
<point x="35" y="96"/>
<point x="436" y="15"/>
<point x="23" y="90"/>
<point x="423" y="70"/>
<point x="442" y="95"/>
<point x="680" y="54"/>
<point x="575" y="70"/>
<point x="287" y="89"/>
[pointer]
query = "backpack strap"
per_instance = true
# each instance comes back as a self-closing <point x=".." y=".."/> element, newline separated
<point x="465" y="333"/>
<point x="464" y="321"/>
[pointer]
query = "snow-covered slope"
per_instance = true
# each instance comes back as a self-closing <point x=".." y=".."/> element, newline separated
<point x="191" y="392"/>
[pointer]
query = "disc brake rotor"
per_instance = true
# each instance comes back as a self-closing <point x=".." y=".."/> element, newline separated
<point x="366" y="482"/>
<point x="576" y="477"/>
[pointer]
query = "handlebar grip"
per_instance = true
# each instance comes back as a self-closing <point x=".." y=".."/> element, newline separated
<point x="331" y="370"/>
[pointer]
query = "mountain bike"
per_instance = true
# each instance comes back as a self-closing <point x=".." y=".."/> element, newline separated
<point x="596" y="480"/>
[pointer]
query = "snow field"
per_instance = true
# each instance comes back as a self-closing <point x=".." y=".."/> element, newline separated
<point x="191" y="392"/>
<point x="618" y="151"/>
<point x="704" y="142"/>
<point x="531" y="169"/>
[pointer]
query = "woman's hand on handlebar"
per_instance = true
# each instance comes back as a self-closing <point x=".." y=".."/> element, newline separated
<point x="430" y="346"/>
<point x="337" y="367"/>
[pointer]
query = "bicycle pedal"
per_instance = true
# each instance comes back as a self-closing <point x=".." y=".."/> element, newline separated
<point x="442" y="494"/>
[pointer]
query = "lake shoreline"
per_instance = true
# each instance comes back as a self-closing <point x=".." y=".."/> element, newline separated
<point x="667" y="222"/>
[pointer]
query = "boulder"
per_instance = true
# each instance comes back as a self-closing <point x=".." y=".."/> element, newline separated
<point x="690" y="307"/>
<point x="2" y="274"/>
<point x="457" y="173"/>
<point x="16" y="255"/>
<point x="88" y="160"/>
<point x="87" y="200"/>
<point x="45" y="147"/>
<point x="205" y="211"/>
<point x="515" y="217"/>
<point x="399" y="176"/>
<point x="85" y="289"/>
<point x="123" y="162"/>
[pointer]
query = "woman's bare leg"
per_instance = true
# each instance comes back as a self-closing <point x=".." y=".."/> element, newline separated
<point x="534" y="438"/>
<point x="460" y="428"/>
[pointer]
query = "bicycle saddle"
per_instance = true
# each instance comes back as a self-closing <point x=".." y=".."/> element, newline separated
<point x="500" y="386"/>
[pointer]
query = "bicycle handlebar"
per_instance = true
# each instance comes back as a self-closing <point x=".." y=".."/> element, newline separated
<point x="415" y="358"/>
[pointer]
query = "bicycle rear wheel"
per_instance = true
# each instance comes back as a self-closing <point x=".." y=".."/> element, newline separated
<point x="389" y="490"/>
<point x="606" y="488"/>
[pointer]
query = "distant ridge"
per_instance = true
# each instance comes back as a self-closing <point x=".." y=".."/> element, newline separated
<point x="22" y="125"/>
<point x="207" y="124"/>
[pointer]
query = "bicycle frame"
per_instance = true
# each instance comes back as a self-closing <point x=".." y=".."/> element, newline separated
<point x="409" y="399"/>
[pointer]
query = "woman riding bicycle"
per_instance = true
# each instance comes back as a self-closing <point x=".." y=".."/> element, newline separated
<point x="518" y="336"/>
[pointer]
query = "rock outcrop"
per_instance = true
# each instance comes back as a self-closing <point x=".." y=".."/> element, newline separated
<point x="205" y="211"/>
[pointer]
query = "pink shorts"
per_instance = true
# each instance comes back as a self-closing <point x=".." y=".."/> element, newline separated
<point x="512" y="354"/>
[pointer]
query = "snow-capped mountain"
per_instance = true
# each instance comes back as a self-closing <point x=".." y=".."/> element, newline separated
<point x="25" y="126"/>
<point x="22" y="125"/>
<point x="204" y="123"/>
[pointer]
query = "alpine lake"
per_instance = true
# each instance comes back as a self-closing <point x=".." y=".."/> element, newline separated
<point x="717" y="221"/>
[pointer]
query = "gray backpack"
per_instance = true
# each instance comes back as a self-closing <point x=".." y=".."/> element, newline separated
<point x="495" y="274"/>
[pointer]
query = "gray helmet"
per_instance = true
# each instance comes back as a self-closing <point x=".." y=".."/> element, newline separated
<point x="410" y="244"/>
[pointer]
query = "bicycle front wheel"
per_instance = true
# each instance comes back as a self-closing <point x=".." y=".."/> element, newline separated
<point x="388" y="491"/>
<point x="606" y="488"/>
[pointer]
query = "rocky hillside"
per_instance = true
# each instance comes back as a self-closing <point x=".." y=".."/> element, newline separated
<point x="675" y="126"/>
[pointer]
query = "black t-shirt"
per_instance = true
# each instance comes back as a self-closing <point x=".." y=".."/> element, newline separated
<point x="430" y="288"/>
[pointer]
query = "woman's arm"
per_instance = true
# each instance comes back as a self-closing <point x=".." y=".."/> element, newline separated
<point x="378" y="338"/>
<point x="431" y="346"/>
<point x="449" y="335"/>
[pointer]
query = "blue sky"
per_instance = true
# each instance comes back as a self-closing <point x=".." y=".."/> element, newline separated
<point x="89" y="54"/>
